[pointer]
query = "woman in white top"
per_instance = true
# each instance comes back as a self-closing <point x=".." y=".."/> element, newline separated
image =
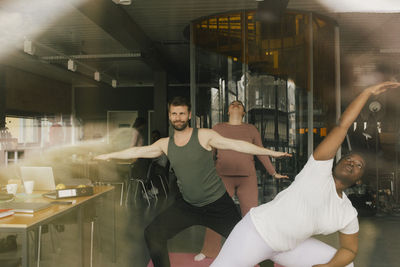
<point x="313" y="204"/>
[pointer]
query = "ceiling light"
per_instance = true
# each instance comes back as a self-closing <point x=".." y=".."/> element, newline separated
<point x="114" y="83"/>
<point x="71" y="65"/>
<point x="97" y="76"/>
<point x="122" y="2"/>
<point x="29" y="47"/>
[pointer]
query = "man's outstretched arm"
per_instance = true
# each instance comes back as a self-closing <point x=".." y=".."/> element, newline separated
<point x="328" y="147"/>
<point x="152" y="151"/>
<point x="217" y="141"/>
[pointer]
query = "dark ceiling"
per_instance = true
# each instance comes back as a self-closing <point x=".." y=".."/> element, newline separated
<point x="129" y="43"/>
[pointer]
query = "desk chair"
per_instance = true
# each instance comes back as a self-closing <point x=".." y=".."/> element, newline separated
<point x="161" y="172"/>
<point x="139" y="174"/>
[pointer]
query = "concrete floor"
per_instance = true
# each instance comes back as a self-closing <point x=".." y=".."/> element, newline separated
<point x="379" y="244"/>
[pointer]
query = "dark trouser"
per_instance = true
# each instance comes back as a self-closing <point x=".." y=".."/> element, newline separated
<point x="221" y="216"/>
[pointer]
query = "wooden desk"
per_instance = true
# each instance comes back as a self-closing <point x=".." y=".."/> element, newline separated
<point x="21" y="224"/>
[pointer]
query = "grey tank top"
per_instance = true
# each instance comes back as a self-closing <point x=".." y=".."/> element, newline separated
<point x="194" y="167"/>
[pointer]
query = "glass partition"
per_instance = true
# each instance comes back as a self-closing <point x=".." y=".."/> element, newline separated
<point x="270" y="68"/>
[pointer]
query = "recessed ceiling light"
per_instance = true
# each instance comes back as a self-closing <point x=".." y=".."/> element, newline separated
<point x="114" y="83"/>
<point x="122" y="2"/>
<point x="29" y="47"/>
<point x="97" y="76"/>
<point x="71" y="65"/>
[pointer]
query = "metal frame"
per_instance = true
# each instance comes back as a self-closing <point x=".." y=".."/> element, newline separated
<point x="23" y="232"/>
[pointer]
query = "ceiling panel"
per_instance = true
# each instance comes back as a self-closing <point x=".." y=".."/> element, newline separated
<point x="76" y="34"/>
<point x="367" y="36"/>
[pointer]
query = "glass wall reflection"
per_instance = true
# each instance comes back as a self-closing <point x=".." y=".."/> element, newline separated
<point x="267" y="66"/>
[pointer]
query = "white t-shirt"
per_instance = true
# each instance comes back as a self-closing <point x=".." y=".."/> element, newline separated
<point x="309" y="206"/>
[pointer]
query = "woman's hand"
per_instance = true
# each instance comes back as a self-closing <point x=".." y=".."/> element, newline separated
<point x="279" y="154"/>
<point x="280" y="176"/>
<point x="382" y="87"/>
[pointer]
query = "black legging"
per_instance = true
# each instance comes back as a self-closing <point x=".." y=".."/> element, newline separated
<point x="221" y="216"/>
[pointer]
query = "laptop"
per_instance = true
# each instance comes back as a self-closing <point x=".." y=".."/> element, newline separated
<point x="42" y="176"/>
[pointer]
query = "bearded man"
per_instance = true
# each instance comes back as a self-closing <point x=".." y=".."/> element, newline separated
<point x="203" y="199"/>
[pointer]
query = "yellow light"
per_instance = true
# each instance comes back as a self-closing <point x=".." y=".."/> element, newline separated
<point x="276" y="62"/>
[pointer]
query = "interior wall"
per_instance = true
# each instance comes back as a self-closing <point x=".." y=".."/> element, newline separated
<point x="27" y="93"/>
<point x="92" y="103"/>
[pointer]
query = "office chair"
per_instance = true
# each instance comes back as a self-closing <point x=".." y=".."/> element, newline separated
<point x="142" y="177"/>
<point x="138" y="174"/>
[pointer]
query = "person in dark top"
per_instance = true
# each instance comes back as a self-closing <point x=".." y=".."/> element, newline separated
<point x="203" y="199"/>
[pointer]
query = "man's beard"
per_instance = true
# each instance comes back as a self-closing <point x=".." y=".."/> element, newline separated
<point x="180" y="127"/>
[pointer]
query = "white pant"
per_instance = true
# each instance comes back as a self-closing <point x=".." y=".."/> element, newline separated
<point x="245" y="248"/>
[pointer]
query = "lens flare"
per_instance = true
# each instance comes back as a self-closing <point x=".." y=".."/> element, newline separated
<point x="381" y="6"/>
<point x="24" y="20"/>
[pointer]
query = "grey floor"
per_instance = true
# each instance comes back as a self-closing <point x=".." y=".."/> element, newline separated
<point x="379" y="244"/>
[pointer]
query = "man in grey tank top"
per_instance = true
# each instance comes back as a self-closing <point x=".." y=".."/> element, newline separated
<point x="203" y="199"/>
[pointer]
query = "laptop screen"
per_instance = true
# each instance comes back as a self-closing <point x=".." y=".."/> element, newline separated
<point x="42" y="176"/>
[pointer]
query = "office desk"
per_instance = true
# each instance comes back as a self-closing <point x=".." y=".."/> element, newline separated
<point x="22" y="224"/>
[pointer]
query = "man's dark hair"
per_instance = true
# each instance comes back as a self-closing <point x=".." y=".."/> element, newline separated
<point x="179" y="101"/>
<point x="139" y="122"/>
<point x="156" y="134"/>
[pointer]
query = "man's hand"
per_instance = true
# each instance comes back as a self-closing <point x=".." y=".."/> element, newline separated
<point x="102" y="157"/>
<point x="382" y="87"/>
<point x="321" y="265"/>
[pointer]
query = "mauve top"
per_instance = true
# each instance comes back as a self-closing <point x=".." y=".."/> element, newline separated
<point x="232" y="163"/>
